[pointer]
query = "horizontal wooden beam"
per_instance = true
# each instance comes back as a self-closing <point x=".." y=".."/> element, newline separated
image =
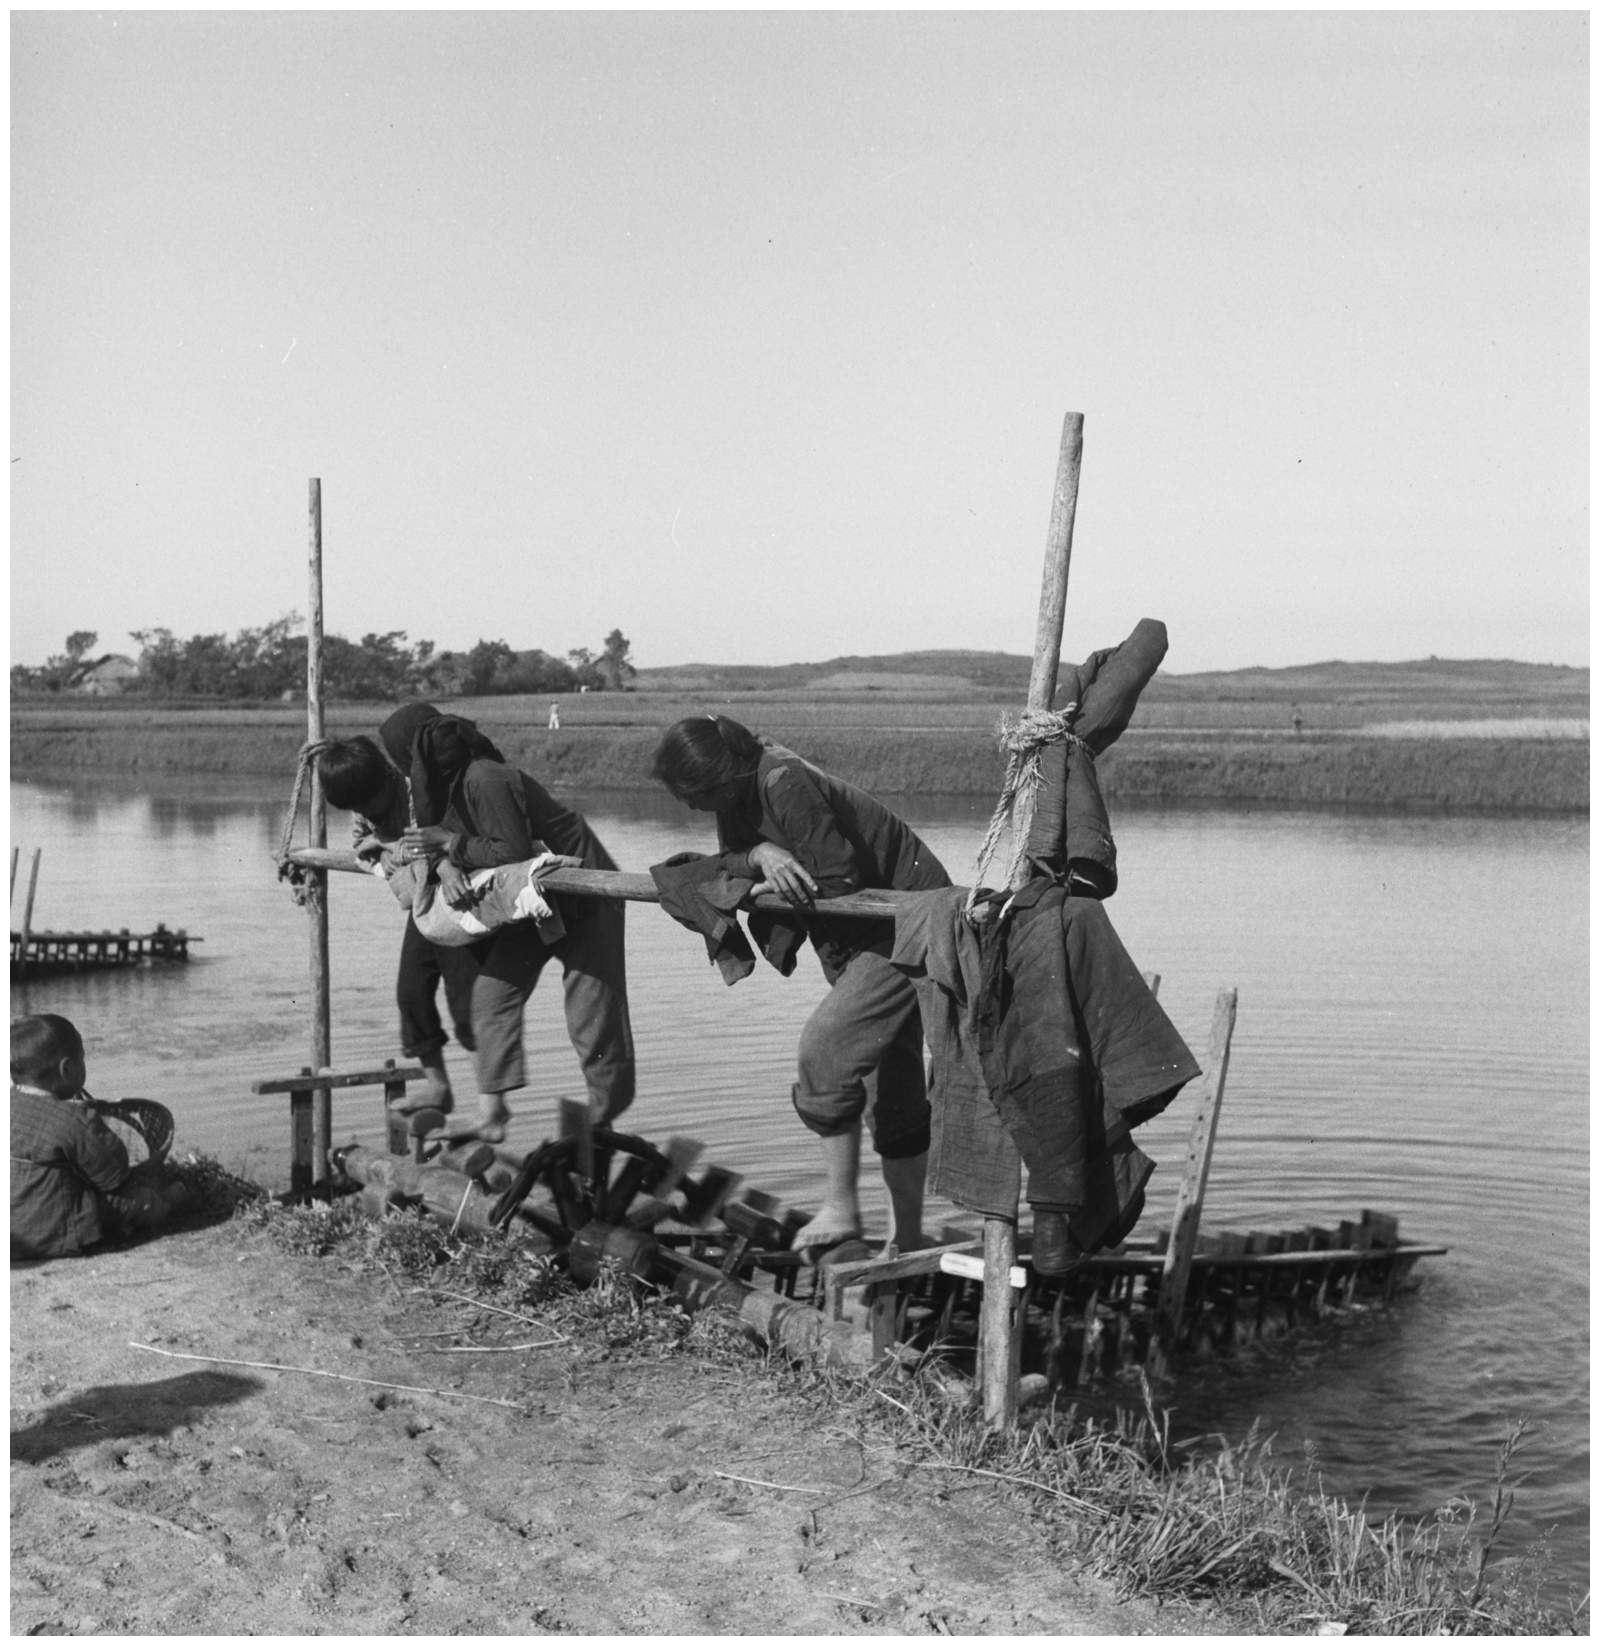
<point x="638" y="888"/>
<point x="868" y="1270"/>
<point x="327" y="1079"/>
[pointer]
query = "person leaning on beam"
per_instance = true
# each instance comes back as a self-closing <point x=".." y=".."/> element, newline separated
<point x="476" y="811"/>
<point x="807" y="834"/>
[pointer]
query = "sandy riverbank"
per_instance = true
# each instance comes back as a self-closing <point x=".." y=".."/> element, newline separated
<point x="580" y="1488"/>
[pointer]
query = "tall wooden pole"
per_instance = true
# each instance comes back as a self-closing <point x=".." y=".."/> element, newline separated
<point x="1057" y="563"/>
<point x="997" y="1334"/>
<point x="317" y="902"/>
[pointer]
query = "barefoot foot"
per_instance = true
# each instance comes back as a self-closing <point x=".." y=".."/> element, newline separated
<point x="481" y="1131"/>
<point x="489" y="1127"/>
<point x="826" y="1229"/>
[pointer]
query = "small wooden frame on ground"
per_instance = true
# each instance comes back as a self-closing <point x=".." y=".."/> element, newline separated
<point x="307" y="1167"/>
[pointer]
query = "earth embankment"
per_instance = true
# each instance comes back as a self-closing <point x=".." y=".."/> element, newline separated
<point x="893" y="746"/>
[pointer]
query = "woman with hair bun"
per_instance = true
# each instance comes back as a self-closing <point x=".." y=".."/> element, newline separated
<point x="806" y="834"/>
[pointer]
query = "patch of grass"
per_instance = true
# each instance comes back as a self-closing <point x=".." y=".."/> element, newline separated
<point x="219" y="1193"/>
<point x="1220" y="1525"/>
<point x="617" y="1316"/>
<point x="899" y="749"/>
<point x="1227" y="1524"/>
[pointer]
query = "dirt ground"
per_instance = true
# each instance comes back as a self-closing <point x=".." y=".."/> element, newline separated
<point x="163" y="1496"/>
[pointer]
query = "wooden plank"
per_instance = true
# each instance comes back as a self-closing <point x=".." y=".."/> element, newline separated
<point x="97" y="939"/>
<point x="301" y="1142"/>
<point x="1089" y="1343"/>
<point x="900" y="1267"/>
<point x="682" y="1153"/>
<point x="1191" y="1192"/>
<point x="1334" y="1259"/>
<point x="309" y="1081"/>
<point x="972" y="1266"/>
<point x="706" y="1196"/>
<point x="575" y="1120"/>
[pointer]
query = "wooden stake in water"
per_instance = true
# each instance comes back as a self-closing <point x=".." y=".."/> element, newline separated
<point x="317" y="902"/>
<point x="1174" y="1293"/>
<point x="27" y="908"/>
<point x="997" y="1330"/>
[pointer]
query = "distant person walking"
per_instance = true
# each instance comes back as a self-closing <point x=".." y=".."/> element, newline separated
<point x="555" y="717"/>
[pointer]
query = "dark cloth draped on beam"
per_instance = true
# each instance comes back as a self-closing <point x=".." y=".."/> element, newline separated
<point x="704" y="894"/>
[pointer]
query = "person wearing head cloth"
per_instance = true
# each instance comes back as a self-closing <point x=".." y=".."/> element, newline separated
<point x="802" y="834"/>
<point x="363" y="775"/>
<point x="473" y="810"/>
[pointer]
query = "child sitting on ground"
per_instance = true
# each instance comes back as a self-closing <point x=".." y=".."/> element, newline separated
<point x="72" y="1185"/>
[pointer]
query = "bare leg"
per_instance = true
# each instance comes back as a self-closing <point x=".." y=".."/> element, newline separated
<point x="437" y="1085"/>
<point x="840" y="1215"/>
<point x="904" y="1179"/>
<point x="432" y="1093"/>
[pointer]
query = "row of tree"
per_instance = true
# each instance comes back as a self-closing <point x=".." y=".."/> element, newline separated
<point x="270" y="662"/>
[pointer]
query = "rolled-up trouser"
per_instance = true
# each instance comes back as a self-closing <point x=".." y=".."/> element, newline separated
<point x="595" y="985"/>
<point x="416" y="990"/>
<point x="861" y="1053"/>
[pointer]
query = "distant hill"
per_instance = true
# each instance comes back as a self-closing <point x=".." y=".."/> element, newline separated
<point x="1006" y="673"/>
<point x="936" y="671"/>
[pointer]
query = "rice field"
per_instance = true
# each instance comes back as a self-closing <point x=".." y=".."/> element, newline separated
<point x="1223" y="753"/>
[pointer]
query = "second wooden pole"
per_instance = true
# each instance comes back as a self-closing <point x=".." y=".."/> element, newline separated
<point x="997" y="1331"/>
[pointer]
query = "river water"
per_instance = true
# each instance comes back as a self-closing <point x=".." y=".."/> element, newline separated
<point x="1413" y="1037"/>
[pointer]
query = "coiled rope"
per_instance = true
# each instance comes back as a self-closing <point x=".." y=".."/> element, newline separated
<point x="299" y="878"/>
<point x="1023" y="738"/>
<point x="302" y="884"/>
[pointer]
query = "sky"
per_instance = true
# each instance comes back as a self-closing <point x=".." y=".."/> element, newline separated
<point x="753" y="334"/>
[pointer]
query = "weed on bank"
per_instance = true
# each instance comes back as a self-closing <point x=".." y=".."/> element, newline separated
<point x="1223" y="1526"/>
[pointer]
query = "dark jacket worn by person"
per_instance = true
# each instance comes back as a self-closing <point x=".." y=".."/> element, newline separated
<point x="459" y="779"/>
<point x="64" y="1160"/>
<point x="845" y="839"/>
<point x="499" y="815"/>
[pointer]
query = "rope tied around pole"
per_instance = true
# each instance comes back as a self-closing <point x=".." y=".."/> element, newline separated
<point x="1023" y="738"/>
<point x="303" y="883"/>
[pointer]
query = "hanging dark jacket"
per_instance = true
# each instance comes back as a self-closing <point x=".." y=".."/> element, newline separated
<point x="1046" y="1042"/>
